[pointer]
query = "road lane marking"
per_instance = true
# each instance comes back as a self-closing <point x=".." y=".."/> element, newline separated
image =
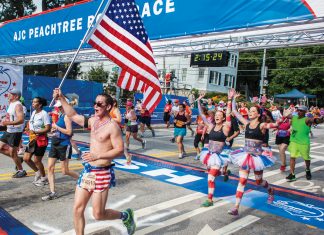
<point x="98" y="226"/>
<point x="299" y="175"/>
<point x="181" y="218"/>
<point x="168" y="204"/>
<point x="278" y="171"/>
<point x="230" y="228"/>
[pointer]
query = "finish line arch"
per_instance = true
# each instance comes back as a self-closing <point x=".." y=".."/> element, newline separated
<point x="175" y="28"/>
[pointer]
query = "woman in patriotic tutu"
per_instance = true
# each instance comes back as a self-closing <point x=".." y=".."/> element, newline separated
<point x="252" y="156"/>
<point x="214" y="156"/>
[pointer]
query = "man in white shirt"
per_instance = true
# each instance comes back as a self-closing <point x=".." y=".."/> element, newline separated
<point x="14" y="121"/>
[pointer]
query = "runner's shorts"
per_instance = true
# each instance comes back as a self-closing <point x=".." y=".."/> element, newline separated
<point x="12" y="139"/>
<point x="282" y="140"/>
<point x="180" y="132"/>
<point x="60" y="152"/>
<point x="132" y="128"/>
<point x="146" y="120"/>
<point x="105" y="177"/>
<point x="33" y="148"/>
<point x="166" y="116"/>
<point x="299" y="150"/>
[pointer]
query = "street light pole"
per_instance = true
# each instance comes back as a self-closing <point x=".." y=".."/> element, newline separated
<point x="263" y="71"/>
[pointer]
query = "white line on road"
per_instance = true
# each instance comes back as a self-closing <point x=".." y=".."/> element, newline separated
<point x="168" y="204"/>
<point x="237" y="225"/>
<point x="181" y="218"/>
<point x="100" y="225"/>
<point x="299" y="175"/>
<point x="275" y="172"/>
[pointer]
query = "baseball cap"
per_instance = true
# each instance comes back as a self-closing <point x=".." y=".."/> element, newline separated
<point x="129" y="103"/>
<point x="15" y="92"/>
<point x="58" y="104"/>
<point x="302" y="107"/>
<point x="176" y="101"/>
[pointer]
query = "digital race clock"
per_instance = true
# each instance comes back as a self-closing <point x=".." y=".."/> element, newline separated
<point x="210" y="59"/>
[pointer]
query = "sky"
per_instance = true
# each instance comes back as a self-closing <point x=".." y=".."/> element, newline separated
<point x="38" y="4"/>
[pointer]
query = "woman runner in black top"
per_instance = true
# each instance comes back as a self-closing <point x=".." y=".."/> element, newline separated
<point x="214" y="156"/>
<point x="252" y="156"/>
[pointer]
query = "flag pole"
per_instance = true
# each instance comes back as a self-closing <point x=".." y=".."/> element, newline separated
<point x="79" y="48"/>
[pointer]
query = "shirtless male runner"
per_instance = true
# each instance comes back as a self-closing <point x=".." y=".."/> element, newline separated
<point x="97" y="176"/>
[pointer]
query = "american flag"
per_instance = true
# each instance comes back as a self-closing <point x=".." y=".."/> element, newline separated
<point x="120" y="35"/>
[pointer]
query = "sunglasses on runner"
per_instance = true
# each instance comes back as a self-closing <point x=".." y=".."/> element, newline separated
<point x="100" y="105"/>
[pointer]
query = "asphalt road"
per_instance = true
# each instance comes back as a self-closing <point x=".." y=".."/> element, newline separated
<point x="160" y="208"/>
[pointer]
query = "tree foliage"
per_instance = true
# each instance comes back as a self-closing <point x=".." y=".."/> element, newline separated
<point x="97" y="74"/>
<point x="50" y="4"/>
<point x="13" y="9"/>
<point x="301" y="68"/>
<point x="53" y="70"/>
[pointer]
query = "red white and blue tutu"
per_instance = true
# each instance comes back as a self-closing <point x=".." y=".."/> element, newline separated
<point x="249" y="161"/>
<point x="215" y="159"/>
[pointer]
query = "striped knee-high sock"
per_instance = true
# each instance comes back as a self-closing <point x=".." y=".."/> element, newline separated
<point x="258" y="179"/>
<point x="241" y="185"/>
<point x="212" y="174"/>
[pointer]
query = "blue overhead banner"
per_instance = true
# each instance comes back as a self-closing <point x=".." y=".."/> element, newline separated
<point x="62" y="29"/>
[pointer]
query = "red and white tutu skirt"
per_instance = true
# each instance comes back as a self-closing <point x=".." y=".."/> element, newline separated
<point x="249" y="161"/>
<point x="215" y="159"/>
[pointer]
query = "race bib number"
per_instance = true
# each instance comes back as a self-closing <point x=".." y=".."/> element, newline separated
<point x="88" y="181"/>
<point x="179" y="123"/>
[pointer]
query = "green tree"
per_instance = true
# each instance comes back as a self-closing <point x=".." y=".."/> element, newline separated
<point x="50" y="4"/>
<point x="53" y="70"/>
<point x="301" y="68"/>
<point x="98" y="74"/>
<point x="13" y="9"/>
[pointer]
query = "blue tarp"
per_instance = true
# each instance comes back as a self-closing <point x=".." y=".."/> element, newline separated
<point x="294" y="94"/>
<point x="43" y="86"/>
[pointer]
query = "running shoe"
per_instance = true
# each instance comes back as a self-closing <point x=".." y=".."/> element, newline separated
<point x="180" y="155"/>
<point x="172" y="140"/>
<point x="207" y="203"/>
<point x="233" y="211"/>
<point x="20" y="174"/>
<point x="41" y="183"/>
<point x="37" y="177"/>
<point x="291" y="177"/>
<point x="50" y="196"/>
<point x="153" y="133"/>
<point x="226" y="175"/>
<point x="308" y="175"/>
<point x="270" y="195"/>
<point x="197" y="157"/>
<point x="130" y="222"/>
<point x="282" y="168"/>
<point x="143" y="144"/>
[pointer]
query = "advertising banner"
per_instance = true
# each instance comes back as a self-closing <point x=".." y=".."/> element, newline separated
<point x="62" y="29"/>
<point x="11" y="77"/>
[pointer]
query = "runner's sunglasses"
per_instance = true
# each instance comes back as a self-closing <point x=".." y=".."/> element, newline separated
<point x="100" y="105"/>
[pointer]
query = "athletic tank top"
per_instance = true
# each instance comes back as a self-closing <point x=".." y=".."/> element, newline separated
<point x="65" y="139"/>
<point x="254" y="134"/>
<point x="11" y="116"/>
<point x="300" y="131"/>
<point x="180" y="121"/>
<point x="217" y="135"/>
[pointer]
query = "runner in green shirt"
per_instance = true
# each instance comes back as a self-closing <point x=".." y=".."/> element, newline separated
<point x="300" y="142"/>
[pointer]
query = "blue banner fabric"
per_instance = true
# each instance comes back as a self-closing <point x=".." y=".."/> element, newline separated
<point x="62" y="29"/>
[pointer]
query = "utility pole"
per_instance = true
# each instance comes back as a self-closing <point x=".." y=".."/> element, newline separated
<point x="263" y="72"/>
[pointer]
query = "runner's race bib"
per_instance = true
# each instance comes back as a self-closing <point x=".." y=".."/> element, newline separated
<point x="88" y="181"/>
<point x="179" y="123"/>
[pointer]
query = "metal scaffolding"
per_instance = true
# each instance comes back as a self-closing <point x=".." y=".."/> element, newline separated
<point x="300" y="33"/>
